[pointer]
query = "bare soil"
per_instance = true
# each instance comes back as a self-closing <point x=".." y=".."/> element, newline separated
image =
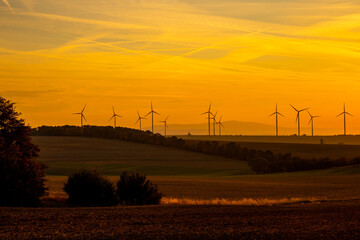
<point x="327" y="220"/>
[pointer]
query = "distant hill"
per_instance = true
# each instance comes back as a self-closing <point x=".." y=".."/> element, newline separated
<point x="230" y="128"/>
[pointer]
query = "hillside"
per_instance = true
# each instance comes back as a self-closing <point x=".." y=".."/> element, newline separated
<point x="63" y="155"/>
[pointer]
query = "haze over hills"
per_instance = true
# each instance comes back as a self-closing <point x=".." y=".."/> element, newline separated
<point x="239" y="128"/>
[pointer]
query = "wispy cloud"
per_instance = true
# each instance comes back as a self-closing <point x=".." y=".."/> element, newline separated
<point x="29" y="93"/>
<point x="9" y="6"/>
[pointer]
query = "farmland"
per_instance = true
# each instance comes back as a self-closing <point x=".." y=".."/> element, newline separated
<point x="340" y="140"/>
<point x="63" y="155"/>
<point x="305" y="147"/>
<point x="188" y="175"/>
<point x="331" y="220"/>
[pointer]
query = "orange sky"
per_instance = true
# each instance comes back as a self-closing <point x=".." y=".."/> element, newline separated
<point x="241" y="55"/>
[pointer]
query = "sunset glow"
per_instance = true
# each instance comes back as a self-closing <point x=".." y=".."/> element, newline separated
<point x="243" y="56"/>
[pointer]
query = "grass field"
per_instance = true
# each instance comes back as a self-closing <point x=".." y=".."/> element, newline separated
<point x="334" y="140"/>
<point x="63" y="155"/>
<point x="304" y="150"/>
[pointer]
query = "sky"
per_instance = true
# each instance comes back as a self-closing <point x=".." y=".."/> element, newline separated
<point x="243" y="56"/>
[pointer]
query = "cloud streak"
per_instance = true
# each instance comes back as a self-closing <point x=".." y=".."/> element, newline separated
<point x="9" y="6"/>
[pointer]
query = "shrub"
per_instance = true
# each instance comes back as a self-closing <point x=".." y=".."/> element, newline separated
<point x="89" y="188"/>
<point x="135" y="189"/>
<point x="21" y="176"/>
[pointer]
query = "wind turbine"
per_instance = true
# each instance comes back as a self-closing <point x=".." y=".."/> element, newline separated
<point x="214" y="122"/>
<point x="220" y="125"/>
<point x="82" y="116"/>
<point x="165" y="125"/>
<point x="114" y="117"/>
<point x="344" y="113"/>
<point x="139" y="119"/>
<point x="312" y="122"/>
<point x="276" y="113"/>
<point x="152" y="117"/>
<point x="208" y="113"/>
<point x="298" y="116"/>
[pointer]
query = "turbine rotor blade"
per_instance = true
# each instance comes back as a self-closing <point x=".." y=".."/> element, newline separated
<point x="280" y="114"/>
<point x="272" y="114"/>
<point x="303" y="109"/>
<point x="112" y="117"/>
<point x="340" y="114"/>
<point x="293" y="107"/>
<point x="83" y="108"/>
<point x="82" y="115"/>
<point x="156" y="113"/>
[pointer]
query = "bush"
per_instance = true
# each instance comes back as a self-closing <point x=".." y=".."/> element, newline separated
<point x="21" y="176"/>
<point x="89" y="188"/>
<point x="135" y="189"/>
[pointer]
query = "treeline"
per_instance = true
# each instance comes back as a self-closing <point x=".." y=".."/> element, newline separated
<point x="261" y="162"/>
<point x="120" y="133"/>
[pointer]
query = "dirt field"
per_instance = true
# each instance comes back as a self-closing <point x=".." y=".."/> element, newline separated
<point x="331" y="220"/>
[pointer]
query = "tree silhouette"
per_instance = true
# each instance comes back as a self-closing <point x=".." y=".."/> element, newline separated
<point x="21" y="176"/>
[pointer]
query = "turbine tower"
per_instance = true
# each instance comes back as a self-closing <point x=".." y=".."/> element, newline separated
<point x="139" y="119"/>
<point x="344" y="113"/>
<point x="165" y="125"/>
<point x="214" y="122"/>
<point x="220" y="125"/>
<point x="208" y="113"/>
<point x="114" y="117"/>
<point x="298" y="116"/>
<point x="82" y="116"/>
<point x="312" y="122"/>
<point x="152" y="117"/>
<point x="276" y="113"/>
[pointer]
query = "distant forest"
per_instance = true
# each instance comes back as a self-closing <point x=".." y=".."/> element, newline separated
<point x="261" y="162"/>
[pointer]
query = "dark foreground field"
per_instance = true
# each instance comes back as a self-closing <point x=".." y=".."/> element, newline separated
<point x="328" y="220"/>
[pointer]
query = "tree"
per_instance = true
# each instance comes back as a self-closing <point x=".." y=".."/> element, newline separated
<point x="89" y="188"/>
<point x="135" y="189"/>
<point x="21" y="176"/>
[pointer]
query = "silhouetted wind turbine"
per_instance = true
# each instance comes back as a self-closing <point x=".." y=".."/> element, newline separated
<point x="276" y="113"/>
<point x="208" y="113"/>
<point x="114" y="117"/>
<point x="152" y="117"/>
<point x="298" y="116"/>
<point x="344" y="113"/>
<point x="139" y="119"/>
<point x="220" y="125"/>
<point x="165" y="125"/>
<point x="214" y="122"/>
<point x="82" y="116"/>
<point x="312" y="122"/>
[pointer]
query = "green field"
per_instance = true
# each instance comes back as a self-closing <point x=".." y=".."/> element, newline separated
<point x="334" y="140"/>
<point x="63" y="155"/>
<point x="305" y="150"/>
